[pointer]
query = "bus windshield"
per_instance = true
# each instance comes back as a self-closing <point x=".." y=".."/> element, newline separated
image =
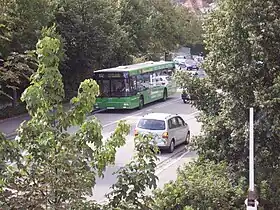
<point x="113" y="87"/>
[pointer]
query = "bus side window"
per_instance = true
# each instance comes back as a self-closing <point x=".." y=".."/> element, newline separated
<point x="146" y="78"/>
<point x="133" y="85"/>
<point x="140" y="81"/>
<point x="143" y="81"/>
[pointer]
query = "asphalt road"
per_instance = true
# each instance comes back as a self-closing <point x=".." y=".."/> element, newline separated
<point x="168" y="171"/>
<point x="167" y="164"/>
<point x="9" y="126"/>
<point x="109" y="119"/>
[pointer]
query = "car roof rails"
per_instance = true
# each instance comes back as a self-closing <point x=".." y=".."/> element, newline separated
<point x="168" y="116"/>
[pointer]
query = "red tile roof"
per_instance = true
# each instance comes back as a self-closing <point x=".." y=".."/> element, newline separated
<point x="195" y="5"/>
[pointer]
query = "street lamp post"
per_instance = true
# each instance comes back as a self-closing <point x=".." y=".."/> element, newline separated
<point x="251" y="201"/>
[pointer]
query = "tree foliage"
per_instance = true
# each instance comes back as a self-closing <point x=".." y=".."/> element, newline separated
<point x="9" y="152"/>
<point x="20" y="27"/>
<point x="15" y="73"/>
<point x="24" y="21"/>
<point x="242" y="38"/>
<point x="55" y="169"/>
<point x="135" y="179"/>
<point x="201" y="185"/>
<point x="95" y="34"/>
<point x="46" y="167"/>
<point x="92" y="38"/>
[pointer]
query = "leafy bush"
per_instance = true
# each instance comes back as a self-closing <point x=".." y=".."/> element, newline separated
<point x="55" y="169"/>
<point x="201" y="185"/>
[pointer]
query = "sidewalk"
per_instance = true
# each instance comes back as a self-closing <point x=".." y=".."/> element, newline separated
<point x="10" y="125"/>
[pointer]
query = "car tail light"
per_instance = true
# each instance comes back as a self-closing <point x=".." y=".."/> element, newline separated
<point x="165" y="135"/>
<point x="135" y="132"/>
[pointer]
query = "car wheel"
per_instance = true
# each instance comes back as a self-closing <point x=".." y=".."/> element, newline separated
<point x="171" y="146"/>
<point x="188" y="137"/>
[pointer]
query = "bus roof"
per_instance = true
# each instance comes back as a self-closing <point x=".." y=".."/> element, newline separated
<point x="139" y="68"/>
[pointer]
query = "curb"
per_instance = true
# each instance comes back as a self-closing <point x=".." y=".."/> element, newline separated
<point x="13" y="118"/>
<point x="13" y="134"/>
<point x="10" y="136"/>
<point x="26" y="114"/>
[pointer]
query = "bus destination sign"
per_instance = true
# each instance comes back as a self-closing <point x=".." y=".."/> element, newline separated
<point x="110" y="75"/>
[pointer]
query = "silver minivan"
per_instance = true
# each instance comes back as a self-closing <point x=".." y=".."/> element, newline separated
<point x="168" y="130"/>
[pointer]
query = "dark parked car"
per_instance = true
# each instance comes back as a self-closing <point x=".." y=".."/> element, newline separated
<point x="185" y="96"/>
<point x="191" y="64"/>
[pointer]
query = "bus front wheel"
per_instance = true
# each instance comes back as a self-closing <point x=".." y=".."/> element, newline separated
<point x="141" y="102"/>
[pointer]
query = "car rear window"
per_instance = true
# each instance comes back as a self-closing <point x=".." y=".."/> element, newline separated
<point x="151" y="124"/>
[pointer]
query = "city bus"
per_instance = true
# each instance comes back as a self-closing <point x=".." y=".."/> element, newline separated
<point x="133" y="86"/>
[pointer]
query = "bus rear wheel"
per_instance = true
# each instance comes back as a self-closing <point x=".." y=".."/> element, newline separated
<point x="141" y="102"/>
<point x="164" y="97"/>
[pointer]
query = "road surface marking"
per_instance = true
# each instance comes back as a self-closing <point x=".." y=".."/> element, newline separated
<point x="170" y="164"/>
<point x="193" y="113"/>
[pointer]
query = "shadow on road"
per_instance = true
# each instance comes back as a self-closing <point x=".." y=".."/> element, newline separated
<point x="130" y="111"/>
<point x="165" y="153"/>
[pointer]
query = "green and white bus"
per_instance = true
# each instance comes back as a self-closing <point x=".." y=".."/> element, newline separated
<point x="133" y="86"/>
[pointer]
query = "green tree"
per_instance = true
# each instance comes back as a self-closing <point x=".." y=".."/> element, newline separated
<point x="174" y="26"/>
<point x="96" y="34"/>
<point x="20" y="27"/>
<point x="243" y="44"/>
<point x="136" y="18"/>
<point x="92" y="37"/>
<point x="15" y="73"/>
<point x="156" y="26"/>
<point x="9" y="152"/>
<point x="135" y="179"/>
<point x="25" y="20"/>
<point x="5" y="30"/>
<point x="201" y="185"/>
<point x="57" y="169"/>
